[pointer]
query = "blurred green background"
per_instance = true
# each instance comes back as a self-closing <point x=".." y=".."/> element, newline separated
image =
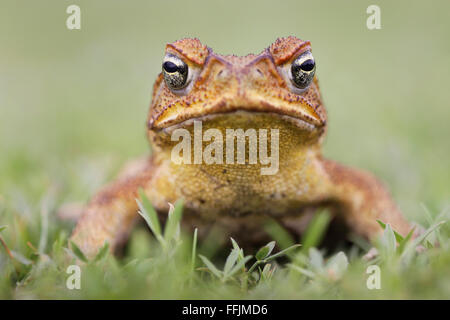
<point x="73" y="103"/>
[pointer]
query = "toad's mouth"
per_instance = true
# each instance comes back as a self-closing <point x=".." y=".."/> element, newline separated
<point x="301" y="118"/>
<point x="216" y="118"/>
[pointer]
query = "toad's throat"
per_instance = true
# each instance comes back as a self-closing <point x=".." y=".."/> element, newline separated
<point x="238" y="141"/>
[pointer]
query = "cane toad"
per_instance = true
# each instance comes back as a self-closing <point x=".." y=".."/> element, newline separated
<point x="276" y="90"/>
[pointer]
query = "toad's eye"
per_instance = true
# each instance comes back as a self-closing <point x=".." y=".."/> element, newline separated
<point x="302" y="70"/>
<point x="175" y="72"/>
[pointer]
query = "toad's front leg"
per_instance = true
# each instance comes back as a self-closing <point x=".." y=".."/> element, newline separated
<point x="111" y="213"/>
<point x="360" y="200"/>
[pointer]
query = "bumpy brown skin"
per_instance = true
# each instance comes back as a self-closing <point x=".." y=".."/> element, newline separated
<point x="239" y="92"/>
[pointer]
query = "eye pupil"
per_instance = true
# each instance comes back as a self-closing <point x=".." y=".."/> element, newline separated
<point x="308" y="65"/>
<point x="302" y="70"/>
<point x="175" y="72"/>
<point x="170" y="67"/>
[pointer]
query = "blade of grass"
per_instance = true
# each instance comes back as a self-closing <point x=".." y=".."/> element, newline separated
<point x="282" y="252"/>
<point x="398" y="236"/>
<point x="194" y="250"/>
<point x="240" y="250"/>
<point x="102" y="252"/>
<point x="272" y="257"/>
<point x="173" y="220"/>
<point x="388" y="241"/>
<point x="303" y="271"/>
<point x="239" y="265"/>
<point x="211" y="266"/>
<point x="77" y="251"/>
<point x="409" y="249"/>
<point x="405" y="240"/>
<point x="279" y="234"/>
<point x="44" y="226"/>
<point x="150" y="216"/>
<point x="231" y="260"/>
<point x="315" y="230"/>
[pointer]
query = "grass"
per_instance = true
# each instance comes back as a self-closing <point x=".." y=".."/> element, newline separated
<point x="72" y="110"/>
<point x="168" y="266"/>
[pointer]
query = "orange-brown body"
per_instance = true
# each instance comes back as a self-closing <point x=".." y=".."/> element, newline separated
<point x="230" y="92"/>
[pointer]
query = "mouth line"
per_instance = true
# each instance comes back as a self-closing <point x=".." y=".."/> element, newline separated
<point x="300" y="123"/>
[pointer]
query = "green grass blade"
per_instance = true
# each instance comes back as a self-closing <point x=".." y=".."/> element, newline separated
<point x="149" y="214"/>
<point x="78" y="253"/>
<point x="282" y="252"/>
<point x="239" y="265"/>
<point x="315" y="231"/>
<point x="173" y="220"/>
<point x="211" y="266"/>
<point x="234" y="243"/>
<point x="44" y="228"/>
<point x="231" y="260"/>
<point x="279" y="234"/>
<point x="194" y="250"/>
<point x="236" y="246"/>
<point x="102" y="252"/>
<point x="409" y="249"/>
<point x="301" y="270"/>
<point x="388" y="241"/>
<point x="398" y="236"/>
<point x="402" y="244"/>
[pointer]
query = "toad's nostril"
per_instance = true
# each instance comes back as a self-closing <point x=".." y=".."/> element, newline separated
<point x="222" y="74"/>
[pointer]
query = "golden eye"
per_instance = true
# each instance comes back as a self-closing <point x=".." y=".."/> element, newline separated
<point x="303" y="69"/>
<point x="175" y="72"/>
